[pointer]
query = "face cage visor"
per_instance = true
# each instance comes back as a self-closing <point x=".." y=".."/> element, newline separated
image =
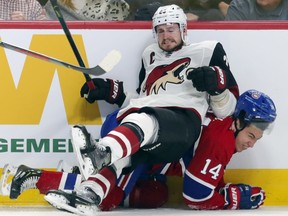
<point x="266" y="127"/>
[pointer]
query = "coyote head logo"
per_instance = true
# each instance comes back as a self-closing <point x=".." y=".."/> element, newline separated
<point x="163" y="74"/>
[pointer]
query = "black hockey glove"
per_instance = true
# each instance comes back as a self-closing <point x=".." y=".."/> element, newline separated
<point x="109" y="90"/>
<point x="210" y="79"/>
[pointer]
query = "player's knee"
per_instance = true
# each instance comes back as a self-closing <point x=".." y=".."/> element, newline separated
<point x="146" y="123"/>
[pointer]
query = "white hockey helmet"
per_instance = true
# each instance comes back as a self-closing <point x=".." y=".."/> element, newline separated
<point x="170" y="14"/>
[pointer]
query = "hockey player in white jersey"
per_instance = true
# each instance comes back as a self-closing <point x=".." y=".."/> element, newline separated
<point x="178" y="83"/>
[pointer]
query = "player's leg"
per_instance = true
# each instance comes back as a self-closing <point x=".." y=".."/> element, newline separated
<point x="15" y="180"/>
<point x="98" y="191"/>
<point x="87" y="197"/>
<point x="81" y="137"/>
<point x="141" y="188"/>
<point x="71" y="202"/>
<point x="150" y="191"/>
<point x="135" y="130"/>
<point x="179" y="129"/>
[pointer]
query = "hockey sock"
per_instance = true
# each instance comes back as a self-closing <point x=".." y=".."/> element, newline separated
<point x="50" y="180"/>
<point x="123" y="141"/>
<point x="106" y="179"/>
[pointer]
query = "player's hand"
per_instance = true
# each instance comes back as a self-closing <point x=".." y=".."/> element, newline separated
<point x="242" y="196"/>
<point x="108" y="90"/>
<point x="210" y="79"/>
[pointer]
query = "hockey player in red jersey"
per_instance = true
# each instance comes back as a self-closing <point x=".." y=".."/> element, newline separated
<point x="202" y="169"/>
<point x="203" y="184"/>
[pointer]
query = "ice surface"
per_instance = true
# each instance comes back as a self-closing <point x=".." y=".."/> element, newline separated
<point x="49" y="211"/>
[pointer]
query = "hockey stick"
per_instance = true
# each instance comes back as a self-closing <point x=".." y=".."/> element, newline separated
<point x="71" y="41"/>
<point x="106" y="65"/>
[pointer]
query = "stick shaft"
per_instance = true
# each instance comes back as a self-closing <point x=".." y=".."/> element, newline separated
<point x="69" y="36"/>
<point x="97" y="70"/>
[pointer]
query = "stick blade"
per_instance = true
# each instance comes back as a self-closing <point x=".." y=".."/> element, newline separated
<point x="110" y="60"/>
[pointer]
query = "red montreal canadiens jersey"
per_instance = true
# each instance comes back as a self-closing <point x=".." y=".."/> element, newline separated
<point x="164" y="82"/>
<point x="203" y="175"/>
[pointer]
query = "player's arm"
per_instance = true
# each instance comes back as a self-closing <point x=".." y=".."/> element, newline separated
<point x="218" y="81"/>
<point x="220" y="59"/>
<point x="223" y="104"/>
<point x="200" y="183"/>
<point x="110" y="90"/>
<point x="202" y="194"/>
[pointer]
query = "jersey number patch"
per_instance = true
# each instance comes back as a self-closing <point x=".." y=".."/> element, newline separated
<point x="213" y="170"/>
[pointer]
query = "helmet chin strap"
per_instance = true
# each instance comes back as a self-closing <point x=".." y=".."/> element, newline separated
<point x="184" y="36"/>
<point x="237" y="131"/>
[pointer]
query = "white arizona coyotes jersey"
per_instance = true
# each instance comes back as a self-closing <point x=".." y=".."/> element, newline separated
<point x="165" y="83"/>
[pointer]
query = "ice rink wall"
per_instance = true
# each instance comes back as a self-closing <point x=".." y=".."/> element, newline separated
<point x="40" y="101"/>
